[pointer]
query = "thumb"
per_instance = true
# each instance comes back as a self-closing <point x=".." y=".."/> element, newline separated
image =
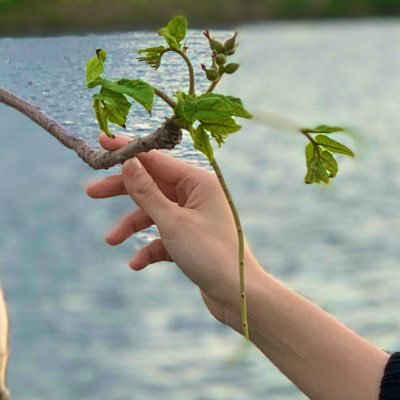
<point x="144" y="191"/>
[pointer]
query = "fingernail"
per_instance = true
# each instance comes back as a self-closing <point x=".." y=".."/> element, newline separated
<point x="131" y="166"/>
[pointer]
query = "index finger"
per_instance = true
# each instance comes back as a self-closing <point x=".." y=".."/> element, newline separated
<point x="159" y="165"/>
<point x="114" y="144"/>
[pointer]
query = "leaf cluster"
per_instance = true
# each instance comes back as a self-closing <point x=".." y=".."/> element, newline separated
<point x="208" y="115"/>
<point x="174" y="33"/>
<point x="111" y="103"/>
<point x="321" y="163"/>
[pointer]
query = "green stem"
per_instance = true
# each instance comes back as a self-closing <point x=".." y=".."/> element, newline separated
<point x="192" y="89"/>
<point x="311" y="139"/>
<point x="214" y="84"/>
<point x="243" y="303"/>
<point x="165" y="97"/>
<point x="243" y="297"/>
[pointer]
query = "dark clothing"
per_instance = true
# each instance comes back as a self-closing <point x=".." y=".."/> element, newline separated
<point x="390" y="384"/>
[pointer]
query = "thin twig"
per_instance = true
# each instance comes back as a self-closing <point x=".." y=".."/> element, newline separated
<point x="243" y="303"/>
<point x="165" y="97"/>
<point x="166" y="136"/>
<point x="192" y="89"/>
<point x="214" y="84"/>
<point x="243" y="296"/>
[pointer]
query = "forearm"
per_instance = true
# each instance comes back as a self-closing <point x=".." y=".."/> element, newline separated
<point x="326" y="360"/>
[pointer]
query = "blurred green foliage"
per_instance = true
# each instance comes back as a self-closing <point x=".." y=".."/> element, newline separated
<point x="56" y="16"/>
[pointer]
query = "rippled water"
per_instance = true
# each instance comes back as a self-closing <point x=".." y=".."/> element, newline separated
<point x="85" y="326"/>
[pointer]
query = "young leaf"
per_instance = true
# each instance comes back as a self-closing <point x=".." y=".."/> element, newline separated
<point x="323" y="129"/>
<point x="186" y="107"/>
<point x="174" y="32"/>
<point x="201" y="142"/>
<point x="224" y="126"/>
<point x="116" y="106"/>
<point x="237" y="107"/>
<point x="330" y="163"/>
<point x="310" y="176"/>
<point x="95" y="67"/>
<point x="152" y="56"/>
<point x="236" y="104"/>
<point x="216" y="134"/>
<point x="310" y="152"/>
<point x="212" y="108"/>
<point x="139" y="90"/>
<point x="101" y="117"/>
<point x="333" y="145"/>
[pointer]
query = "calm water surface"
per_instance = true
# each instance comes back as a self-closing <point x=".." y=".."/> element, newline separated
<point x="85" y="326"/>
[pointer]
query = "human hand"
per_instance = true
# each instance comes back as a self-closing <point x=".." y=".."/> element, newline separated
<point x="193" y="217"/>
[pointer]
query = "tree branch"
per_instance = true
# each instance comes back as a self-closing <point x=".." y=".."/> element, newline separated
<point x="167" y="136"/>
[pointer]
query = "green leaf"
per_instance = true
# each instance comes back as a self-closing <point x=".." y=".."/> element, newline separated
<point x="171" y="41"/>
<point x="320" y="166"/>
<point x="201" y="142"/>
<point x="152" y="56"/>
<point x="217" y="135"/>
<point x="95" y="67"/>
<point x="330" y="163"/>
<point x="237" y="107"/>
<point x="323" y="129"/>
<point x="177" y="27"/>
<point x="333" y="145"/>
<point x="186" y="107"/>
<point x="116" y="106"/>
<point x="236" y="104"/>
<point x="101" y="117"/>
<point x="226" y="126"/>
<point x="139" y="90"/>
<point x="212" y="108"/>
<point x="175" y="31"/>
<point x="310" y="152"/>
<point x="310" y="176"/>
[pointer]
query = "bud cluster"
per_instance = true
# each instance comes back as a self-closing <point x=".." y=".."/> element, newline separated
<point x="220" y="53"/>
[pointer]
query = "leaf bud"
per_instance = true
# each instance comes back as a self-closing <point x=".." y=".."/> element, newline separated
<point x="231" y="68"/>
<point x="220" y="59"/>
<point x="230" y="45"/>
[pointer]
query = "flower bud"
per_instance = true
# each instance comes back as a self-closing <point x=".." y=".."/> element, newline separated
<point x="231" y="68"/>
<point x="215" y="45"/>
<point x="220" y="59"/>
<point x="230" y="45"/>
<point x="211" y="73"/>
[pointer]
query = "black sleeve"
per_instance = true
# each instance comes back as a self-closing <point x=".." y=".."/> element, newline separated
<point x="390" y="384"/>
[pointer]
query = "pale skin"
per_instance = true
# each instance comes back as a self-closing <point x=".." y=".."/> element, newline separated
<point x="323" y="358"/>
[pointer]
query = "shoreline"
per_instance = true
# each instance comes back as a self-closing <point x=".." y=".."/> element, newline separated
<point x="197" y="26"/>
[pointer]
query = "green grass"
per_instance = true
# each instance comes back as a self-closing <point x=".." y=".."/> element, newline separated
<point x="59" y="16"/>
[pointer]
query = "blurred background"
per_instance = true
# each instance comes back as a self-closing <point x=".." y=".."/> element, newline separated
<point x="60" y="16"/>
<point x="82" y="324"/>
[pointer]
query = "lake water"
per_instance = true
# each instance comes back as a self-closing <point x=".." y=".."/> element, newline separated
<point x="85" y="326"/>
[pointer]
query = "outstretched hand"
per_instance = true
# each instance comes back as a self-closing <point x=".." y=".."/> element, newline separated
<point x="197" y="230"/>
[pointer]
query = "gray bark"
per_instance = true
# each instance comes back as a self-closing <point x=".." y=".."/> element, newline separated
<point x="167" y="136"/>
